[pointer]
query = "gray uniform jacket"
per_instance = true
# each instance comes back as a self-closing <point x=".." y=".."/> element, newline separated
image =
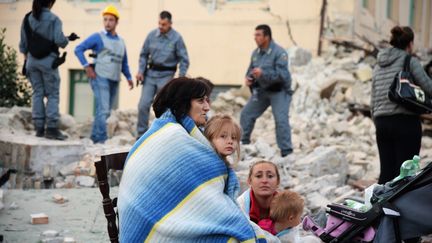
<point x="390" y="62"/>
<point x="166" y="50"/>
<point x="274" y="65"/>
<point x="50" y="27"/>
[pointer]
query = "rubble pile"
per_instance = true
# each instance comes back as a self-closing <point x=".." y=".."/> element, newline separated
<point x="121" y="127"/>
<point x="335" y="149"/>
<point x="332" y="145"/>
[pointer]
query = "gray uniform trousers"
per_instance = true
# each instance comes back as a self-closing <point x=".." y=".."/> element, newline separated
<point x="151" y="86"/>
<point x="280" y="102"/>
<point x="45" y="82"/>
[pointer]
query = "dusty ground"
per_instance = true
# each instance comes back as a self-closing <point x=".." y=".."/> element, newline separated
<point x="81" y="217"/>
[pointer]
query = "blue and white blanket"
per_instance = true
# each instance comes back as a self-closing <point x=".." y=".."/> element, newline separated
<point x="175" y="188"/>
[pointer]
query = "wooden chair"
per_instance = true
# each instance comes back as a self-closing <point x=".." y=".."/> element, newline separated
<point x="109" y="162"/>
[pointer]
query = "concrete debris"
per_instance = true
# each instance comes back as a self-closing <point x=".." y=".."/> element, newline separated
<point x="67" y="122"/>
<point x="85" y="181"/>
<point x="69" y="240"/>
<point x="264" y="150"/>
<point x="39" y="218"/>
<point x="57" y="198"/>
<point x="364" y="72"/>
<point x="52" y="236"/>
<point x="13" y="206"/>
<point x="331" y="144"/>
<point x="50" y="233"/>
<point x="299" y="56"/>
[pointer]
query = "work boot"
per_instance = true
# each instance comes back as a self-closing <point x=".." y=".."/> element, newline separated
<point x="54" y="133"/>
<point x="40" y="132"/>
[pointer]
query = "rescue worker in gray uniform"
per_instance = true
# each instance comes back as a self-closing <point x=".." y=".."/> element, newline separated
<point x="162" y="51"/>
<point x="43" y="75"/>
<point x="270" y="82"/>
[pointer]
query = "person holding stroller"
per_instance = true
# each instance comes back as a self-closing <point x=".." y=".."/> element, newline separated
<point x="398" y="130"/>
<point x="41" y="36"/>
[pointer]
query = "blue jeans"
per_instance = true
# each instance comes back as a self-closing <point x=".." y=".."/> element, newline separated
<point x="45" y="83"/>
<point x="280" y="103"/>
<point x="105" y="91"/>
<point x="150" y="88"/>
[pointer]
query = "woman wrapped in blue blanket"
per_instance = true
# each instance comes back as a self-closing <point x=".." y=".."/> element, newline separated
<point x="174" y="187"/>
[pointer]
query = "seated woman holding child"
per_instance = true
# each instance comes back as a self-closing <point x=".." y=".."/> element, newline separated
<point x="278" y="213"/>
<point x="174" y="187"/>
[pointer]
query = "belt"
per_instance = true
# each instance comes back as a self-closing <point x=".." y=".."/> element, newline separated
<point x="157" y="67"/>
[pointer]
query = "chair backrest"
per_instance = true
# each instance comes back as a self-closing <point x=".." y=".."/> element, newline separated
<point x="116" y="162"/>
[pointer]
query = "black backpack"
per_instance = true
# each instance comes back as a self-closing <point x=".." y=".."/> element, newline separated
<point x="38" y="46"/>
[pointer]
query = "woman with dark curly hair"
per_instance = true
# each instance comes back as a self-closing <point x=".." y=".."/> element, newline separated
<point x="175" y="187"/>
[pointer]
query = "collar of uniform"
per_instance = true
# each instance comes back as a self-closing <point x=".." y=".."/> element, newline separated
<point x="268" y="50"/>
<point x="168" y="35"/>
<point x="45" y="9"/>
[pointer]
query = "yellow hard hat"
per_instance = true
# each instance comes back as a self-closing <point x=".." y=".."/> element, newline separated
<point x="110" y="9"/>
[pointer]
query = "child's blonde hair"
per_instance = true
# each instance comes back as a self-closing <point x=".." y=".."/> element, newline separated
<point x="213" y="129"/>
<point x="286" y="204"/>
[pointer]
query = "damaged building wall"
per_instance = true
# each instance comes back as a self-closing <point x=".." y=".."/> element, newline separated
<point x="219" y="40"/>
<point x="374" y="19"/>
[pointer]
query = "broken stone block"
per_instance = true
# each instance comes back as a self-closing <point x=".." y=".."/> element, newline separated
<point x="364" y="72"/>
<point x="299" y="56"/>
<point x="37" y="185"/>
<point x="59" y="199"/>
<point x="13" y="206"/>
<point x="50" y="233"/>
<point x="323" y="161"/>
<point x="328" y="192"/>
<point x="57" y="239"/>
<point x="60" y="185"/>
<point x="85" y="181"/>
<point x="69" y="169"/>
<point x="122" y="125"/>
<point x="356" y="172"/>
<point x="264" y="149"/>
<point x="21" y="118"/>
<point x="39" y="218"/>
<point x="66" y="122"/>
<point x="69" y="240"/>
<point x="30" y="153"/>
<point x="316" y="201"/>
<point x="240" y="101"/>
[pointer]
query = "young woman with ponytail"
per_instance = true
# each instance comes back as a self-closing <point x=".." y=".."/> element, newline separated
<point x="398" y="130"/>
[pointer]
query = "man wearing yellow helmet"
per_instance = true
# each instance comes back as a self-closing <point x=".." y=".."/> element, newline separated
<point x="111" y="61"/>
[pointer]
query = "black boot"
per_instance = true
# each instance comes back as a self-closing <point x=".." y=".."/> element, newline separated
<point x="40" y="132"/>
<point x="54" y="133"/>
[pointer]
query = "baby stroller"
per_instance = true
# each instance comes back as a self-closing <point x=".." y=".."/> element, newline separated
<point x="400" y="210"/>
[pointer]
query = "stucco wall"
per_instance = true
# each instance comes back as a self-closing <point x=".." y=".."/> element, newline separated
<point x="219" y="42"/>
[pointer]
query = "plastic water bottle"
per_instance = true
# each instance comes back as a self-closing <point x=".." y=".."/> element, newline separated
<point x="409" y="168"/>
<point x="356" y="205"/>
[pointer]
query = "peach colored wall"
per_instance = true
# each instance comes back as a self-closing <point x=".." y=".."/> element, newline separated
<point x="219" y="41"/>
